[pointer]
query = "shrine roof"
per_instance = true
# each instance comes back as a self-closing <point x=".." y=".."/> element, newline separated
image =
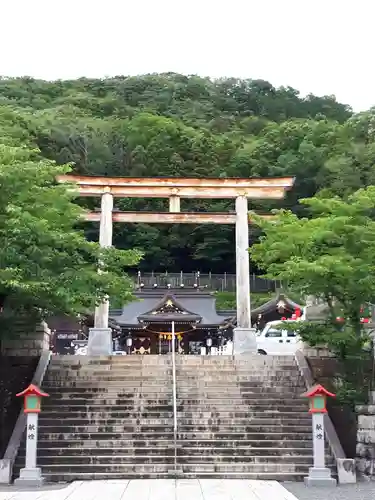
<point x="169" y="305"/>
<point x="279" y="300"/>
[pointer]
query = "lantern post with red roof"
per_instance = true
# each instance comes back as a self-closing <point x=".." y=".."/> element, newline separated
<point x="319" y="474"/>
<point x="31" y="475"/>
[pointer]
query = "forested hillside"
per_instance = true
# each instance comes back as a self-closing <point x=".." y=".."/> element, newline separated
<point x="169" y="124"/>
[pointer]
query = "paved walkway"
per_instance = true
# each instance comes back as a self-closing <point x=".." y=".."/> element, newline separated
<point x="206" y="489"/>
<point x="359" y="491"/>
<point x="158" y="489"/>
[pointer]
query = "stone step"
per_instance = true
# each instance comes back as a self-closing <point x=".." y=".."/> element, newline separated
<point x="135" y="413"/>
<point x="195" y="468"/>
<point x="58" y="427"/>
<point x="265" y="370"/>
<point x="80" y="364"/>
<point x="125" y="372"/>
<point x="186" y="404"/>
<point x="167" y="358"/>
<point x="248" y="434"/>
<point x="109" y="403"/>
<point x="236" y="369"/>
<point x="258" y="426"/>
<point x="227" y="445"/>
<point x="182" y="384"/>
<point x="108" y="414"/>
<point x="241" y="422"/>
<point x="57" y="477"/>
<point x="241" y="369"/>
<point x="182" y="407"/>
<point x="68" y="435"/>
<point x="207" y="393"/>
<point x="246" y="382"/>
<point x="252" y="445"/>
<point x="249" y="427"/>
<point x="169" y="450"/>
<point x="235" y="414"/>
<point x="250" y="399"/>
<point x="232" y="375"/>
<point x="217" y="460"/>
<point x="187" y="360"/>
<point x="188" y="396"/>
<point x="123" y="376"/>
<point x="198" y="423"/>
<point x="129" y="423"/>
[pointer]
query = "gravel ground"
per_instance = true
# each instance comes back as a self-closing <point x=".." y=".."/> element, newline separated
<point x="360" y="491"/>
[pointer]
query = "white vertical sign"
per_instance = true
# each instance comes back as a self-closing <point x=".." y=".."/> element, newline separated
<point x="31" y="475"/>
<point x="318" y="440"/>
<point x="31" y="440"/>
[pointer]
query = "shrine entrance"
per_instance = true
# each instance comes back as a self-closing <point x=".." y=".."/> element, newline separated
<point x="100" y="337"/>
<point x="147" y="323"/>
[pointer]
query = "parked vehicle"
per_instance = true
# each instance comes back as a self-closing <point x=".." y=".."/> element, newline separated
<point x="276" y="338"/>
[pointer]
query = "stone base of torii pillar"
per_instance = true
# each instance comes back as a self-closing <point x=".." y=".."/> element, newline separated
<point x="244" y="341"/>
<point x="100" y="342"/>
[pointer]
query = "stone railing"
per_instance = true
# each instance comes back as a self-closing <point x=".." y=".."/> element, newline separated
<point x="345" y="466"/>
<point x="7" y="462"/>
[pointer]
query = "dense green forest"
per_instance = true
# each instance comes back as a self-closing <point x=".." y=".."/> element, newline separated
<point x="175" y="125"/>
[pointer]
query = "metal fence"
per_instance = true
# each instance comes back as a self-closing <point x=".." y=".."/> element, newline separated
<point x="218" y="282"/>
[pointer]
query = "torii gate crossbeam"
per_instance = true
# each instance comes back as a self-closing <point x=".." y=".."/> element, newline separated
<point x="100" y="339"/>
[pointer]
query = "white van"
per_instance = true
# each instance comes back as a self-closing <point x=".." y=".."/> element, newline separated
<point x="276" y="338"/>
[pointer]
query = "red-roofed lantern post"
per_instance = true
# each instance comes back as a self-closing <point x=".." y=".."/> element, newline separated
<point x="319" y="474"/>
<point x="31" y="475"/>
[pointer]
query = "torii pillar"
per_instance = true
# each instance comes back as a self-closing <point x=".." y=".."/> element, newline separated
<point x="100" y="337"/>
<point x="244" y="339"/>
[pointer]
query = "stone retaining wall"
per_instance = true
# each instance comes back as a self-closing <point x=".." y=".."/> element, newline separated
<point x="16" y="372"/>
<point x="27" y="339"/>
<point x="366" y="440"/>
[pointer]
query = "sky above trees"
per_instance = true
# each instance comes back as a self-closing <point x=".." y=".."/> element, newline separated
<point x="316" y="46"/>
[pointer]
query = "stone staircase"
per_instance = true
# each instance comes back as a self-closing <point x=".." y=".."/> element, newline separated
<point x="243" y="418"/>
<point x="110" y="418"/>
<point x="106" y="418"/>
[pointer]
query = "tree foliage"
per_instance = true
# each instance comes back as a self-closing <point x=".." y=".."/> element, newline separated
<point x="329" y="255"/>
<point x="47" y="264"/>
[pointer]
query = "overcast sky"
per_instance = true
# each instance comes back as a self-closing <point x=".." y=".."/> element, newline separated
<point x="320" y="46"/>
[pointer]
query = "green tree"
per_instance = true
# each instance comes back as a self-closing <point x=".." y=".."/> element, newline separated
<point x="331" y="256"/>
<point x="46" y="262"/>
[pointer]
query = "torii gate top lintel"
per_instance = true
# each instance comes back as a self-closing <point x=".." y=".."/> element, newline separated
<point x="183" y="187"/>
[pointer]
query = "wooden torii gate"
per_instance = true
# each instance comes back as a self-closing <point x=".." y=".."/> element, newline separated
<point x="175" y="188"/>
